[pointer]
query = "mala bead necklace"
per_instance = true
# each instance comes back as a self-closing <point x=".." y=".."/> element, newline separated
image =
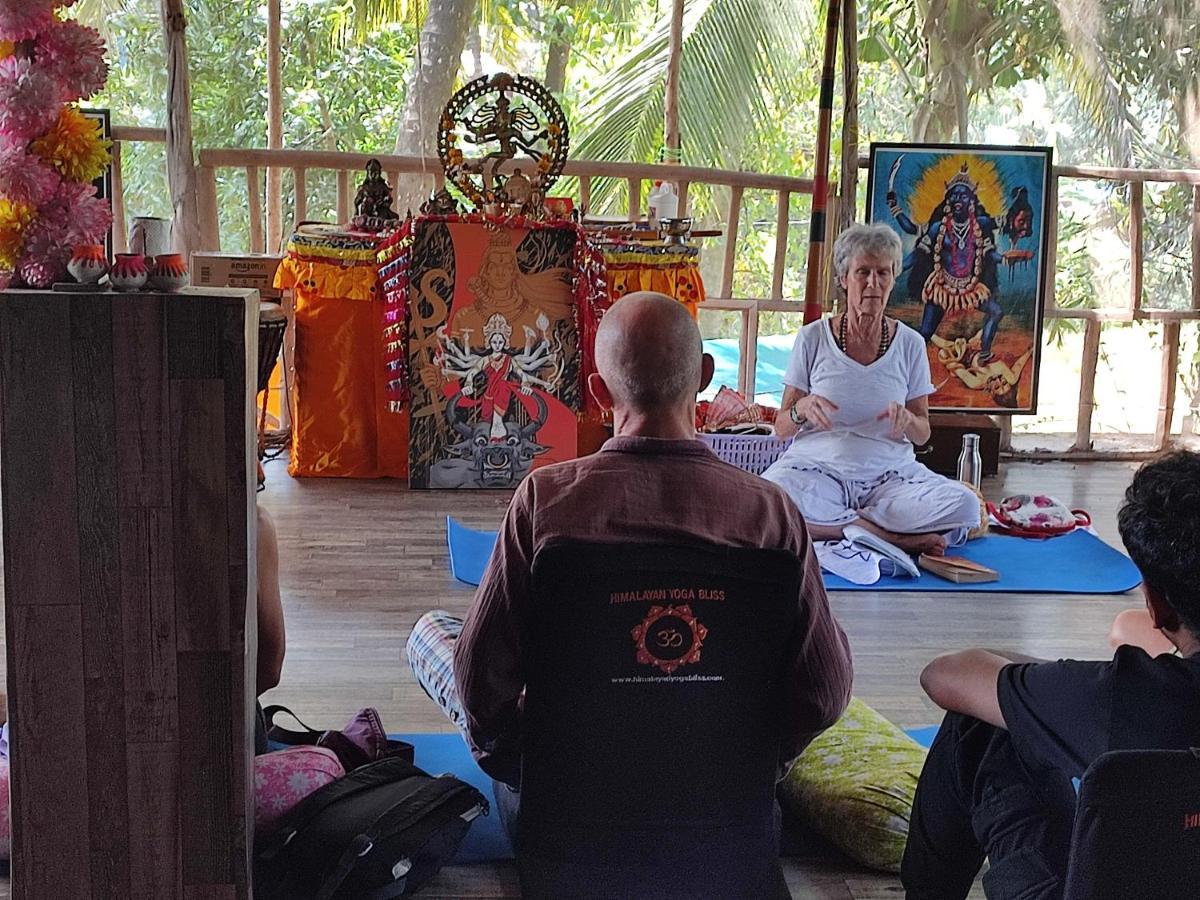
<point x="885" y="340"/>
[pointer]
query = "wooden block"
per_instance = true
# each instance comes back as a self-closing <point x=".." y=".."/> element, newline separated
<point x="39" y="459"/>
<point x="49" y="788"/>
<point x="208" y="765"/>
<point x="945" y="442"/>
<point x="148" y="625"/>
<point x="199" y="517"/>
<point x="108" y="796"/>
<point x="96" y="480"/>
<point x="154" y="845"/>
<point x="141" y="401"/>
<point x="193" y="336"/>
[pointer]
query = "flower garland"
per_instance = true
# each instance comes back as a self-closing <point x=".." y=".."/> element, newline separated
<point x="589" y="290"/>
<point x="49" y="151"/>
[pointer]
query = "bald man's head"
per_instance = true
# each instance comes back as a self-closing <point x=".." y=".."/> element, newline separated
<point x="648" y="351"/>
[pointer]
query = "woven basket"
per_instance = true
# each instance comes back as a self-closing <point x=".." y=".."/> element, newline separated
<point x="752" y="452"/>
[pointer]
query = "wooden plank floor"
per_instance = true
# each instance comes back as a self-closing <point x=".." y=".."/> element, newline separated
<point x="361" y="560"/>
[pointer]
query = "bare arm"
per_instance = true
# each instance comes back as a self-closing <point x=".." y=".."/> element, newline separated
<point x="965" y="682"/>
<point x="272" y="639"/>
<point x="813" y="410"/>
<point x="784" y="426"/>
<point x="919" y="429"/>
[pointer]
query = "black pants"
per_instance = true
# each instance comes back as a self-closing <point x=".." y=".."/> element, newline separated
<point x="976" y="798"/>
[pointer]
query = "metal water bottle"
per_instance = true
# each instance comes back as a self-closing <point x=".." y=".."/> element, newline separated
<point x="970" y="464"/>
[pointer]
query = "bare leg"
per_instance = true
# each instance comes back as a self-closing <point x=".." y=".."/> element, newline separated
<point x="931" y="542"/>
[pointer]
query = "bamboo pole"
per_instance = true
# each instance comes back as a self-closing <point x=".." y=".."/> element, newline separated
<point x="274" y="124"/>
<point x="1137" y="227"/>
<point x="783" y="205"/>
<point x="635" y="199"/>
<point x="816" y="241"/>
<point x="1166" y="395"/>
<point x="1196" y="247"/>
<point x="683" y="198"/>
<point x="254" y="198"/>
<point x="343" y="196"/>
<point x="300" y="187"/>
<point x="210" y="225"/>
<point x="181" y="164"/>
<point x="119" y="233"/>
<point x="735" y="212"/>
<point x="848" y="183"/>
<point x="671" y="91"/>
<point x="1087" y="386"/>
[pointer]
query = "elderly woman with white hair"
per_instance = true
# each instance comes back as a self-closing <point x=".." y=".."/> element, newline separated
<point x="856" y="399"/>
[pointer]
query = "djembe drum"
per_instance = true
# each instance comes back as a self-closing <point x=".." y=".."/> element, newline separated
<point x="272" y="323"/>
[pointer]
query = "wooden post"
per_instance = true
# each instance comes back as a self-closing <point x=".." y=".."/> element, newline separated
<point x="254" y="198"/>
<point x="120" y="226"/>
<point x="735" y="212"/>
<point x="814" y="280"/>
<point x="683" y="198"/>
<point x="343" y="196"/>
<point x="181" y="163"/>
<point x="1166" y="401"/>
<point x="129" y="569"/>
<point x="671" y="91"/>
<point x="1087" y="385"/>
<point x="585" y="195"/>
<point x="782" y="208"/>
<point x="1137" y="220"/>
<point x="848" y="183"/>
<point x="300" y="188"/>
<point x="635" y="199"/>
<point x="1196" y="247"/>
<point x="210" y="224"/>
<point x="274" y="125"/>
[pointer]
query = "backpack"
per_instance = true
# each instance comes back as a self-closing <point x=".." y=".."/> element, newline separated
<point x="1036" y="516"/>
<point x="382" y="831"/>
<point x="363" y="740"/>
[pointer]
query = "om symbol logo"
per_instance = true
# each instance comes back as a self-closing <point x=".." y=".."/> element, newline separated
<point x="669" y="637"/>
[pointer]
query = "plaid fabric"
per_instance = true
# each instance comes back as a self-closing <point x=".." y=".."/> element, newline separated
<point x="430" y="650"/>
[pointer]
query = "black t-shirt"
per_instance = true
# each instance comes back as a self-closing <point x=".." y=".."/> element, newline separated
<point x="1063" y="715"/>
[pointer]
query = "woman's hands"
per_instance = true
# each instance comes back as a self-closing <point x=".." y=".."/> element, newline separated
<point x="816" y="410"/>
<point x="906" y="422"/>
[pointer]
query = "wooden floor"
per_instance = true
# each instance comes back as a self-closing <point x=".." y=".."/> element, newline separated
<point x="361" y="560"/>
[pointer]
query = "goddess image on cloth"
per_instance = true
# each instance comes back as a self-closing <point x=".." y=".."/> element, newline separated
<point x="507" y="374"/>
<point x="954" y="263"/>
<point x="998" y="376"/>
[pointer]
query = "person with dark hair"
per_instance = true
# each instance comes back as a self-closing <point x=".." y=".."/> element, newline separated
<point x="998" y="779"/>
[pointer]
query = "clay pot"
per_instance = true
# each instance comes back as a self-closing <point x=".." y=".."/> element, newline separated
<point x="169" y="272"/>
<point x="88" y="263"/>
<point x="129" y="272"/>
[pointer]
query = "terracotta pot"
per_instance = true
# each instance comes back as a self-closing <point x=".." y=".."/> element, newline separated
<point x="129" y="272"/>
<point x="169" y="272"/>
<point x="88" y="263"/>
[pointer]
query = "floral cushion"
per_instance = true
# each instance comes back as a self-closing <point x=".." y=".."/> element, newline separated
<point x="854" y="785"/>
<point x="283" y="779"/>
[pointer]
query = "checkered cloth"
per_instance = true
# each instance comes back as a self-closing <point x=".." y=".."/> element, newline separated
<point x="430" y="650"/>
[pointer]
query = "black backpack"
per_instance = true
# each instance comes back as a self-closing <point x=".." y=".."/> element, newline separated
<point x="379" y="832"/>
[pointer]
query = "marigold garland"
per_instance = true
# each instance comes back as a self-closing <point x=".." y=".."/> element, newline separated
<point x="74" y="146"/>
<point x="14" y="219"/>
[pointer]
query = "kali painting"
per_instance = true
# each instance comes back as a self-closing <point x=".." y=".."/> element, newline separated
<point x="493" y="354"/>
<point x="973" y="224"/>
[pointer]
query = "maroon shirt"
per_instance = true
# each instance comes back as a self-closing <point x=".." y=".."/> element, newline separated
<point x="656" y="491"/>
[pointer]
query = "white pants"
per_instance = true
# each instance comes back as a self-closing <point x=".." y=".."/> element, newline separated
<point x="911" y="500"/>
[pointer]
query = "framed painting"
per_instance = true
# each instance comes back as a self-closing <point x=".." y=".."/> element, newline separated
<point x="972" y="221"/>
<point x="493" y="353"/>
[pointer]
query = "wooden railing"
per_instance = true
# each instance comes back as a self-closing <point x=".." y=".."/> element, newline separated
<point x="266" y="230"/>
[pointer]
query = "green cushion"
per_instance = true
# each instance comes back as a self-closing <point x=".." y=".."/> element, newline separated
<point x="855" y="784"/>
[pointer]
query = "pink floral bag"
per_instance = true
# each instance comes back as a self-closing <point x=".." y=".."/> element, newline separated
<point x="1036" y="516"/>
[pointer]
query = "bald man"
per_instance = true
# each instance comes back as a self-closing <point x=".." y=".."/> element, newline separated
<point x="652" y="482"/>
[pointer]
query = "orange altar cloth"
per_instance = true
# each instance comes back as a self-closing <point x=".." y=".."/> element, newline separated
<point x="673" y="271"/>
<point x="341" y="425"/>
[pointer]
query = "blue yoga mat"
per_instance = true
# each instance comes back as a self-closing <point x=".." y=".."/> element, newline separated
<point x="1075" y="563"/>
<point x="470" y="550"/>
<point x="438" y="754"/>
<point x="486" y="840"/>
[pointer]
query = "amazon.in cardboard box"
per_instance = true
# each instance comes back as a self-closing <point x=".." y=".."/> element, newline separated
<point x="244" y="270"/>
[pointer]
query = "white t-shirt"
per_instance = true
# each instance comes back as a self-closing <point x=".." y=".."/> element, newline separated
<point x="858" y="447"/>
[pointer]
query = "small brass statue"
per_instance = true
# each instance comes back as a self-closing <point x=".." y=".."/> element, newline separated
<point x="373" y="202"/>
